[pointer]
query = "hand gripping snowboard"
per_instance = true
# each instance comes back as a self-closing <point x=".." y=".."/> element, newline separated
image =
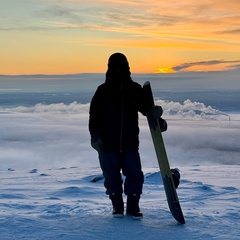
<point x="155" y="130"/>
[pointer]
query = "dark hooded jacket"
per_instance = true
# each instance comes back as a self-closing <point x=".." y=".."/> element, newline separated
<point x="114" y="108"/>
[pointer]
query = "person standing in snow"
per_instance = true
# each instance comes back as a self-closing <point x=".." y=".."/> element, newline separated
<point x="114" y="130"/>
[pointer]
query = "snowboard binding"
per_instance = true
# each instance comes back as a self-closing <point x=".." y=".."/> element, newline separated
<point x="176" y="177"/>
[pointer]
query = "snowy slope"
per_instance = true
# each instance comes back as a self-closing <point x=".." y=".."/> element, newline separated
<point x="63" y="203"/>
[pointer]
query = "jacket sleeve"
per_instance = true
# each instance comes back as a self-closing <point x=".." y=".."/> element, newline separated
<point x="95" y="113"/>
<point x="141" y="102"/>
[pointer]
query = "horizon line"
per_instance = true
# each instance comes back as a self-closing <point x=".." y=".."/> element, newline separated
<point x="94" y="73"/>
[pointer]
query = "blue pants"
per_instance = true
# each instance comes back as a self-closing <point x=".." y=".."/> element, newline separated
<point x="112" y="163"/>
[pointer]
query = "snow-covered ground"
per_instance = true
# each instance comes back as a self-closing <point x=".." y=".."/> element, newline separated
<point x="63" y="203"/>
<point x="47" y="167"/>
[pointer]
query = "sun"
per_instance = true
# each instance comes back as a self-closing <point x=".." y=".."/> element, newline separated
<point x="165" y="70"/>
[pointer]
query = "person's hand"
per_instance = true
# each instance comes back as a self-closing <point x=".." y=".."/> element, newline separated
<point x="96" y="142"/>
<point x="163" y="124"/>
<point x="157" y="111"/>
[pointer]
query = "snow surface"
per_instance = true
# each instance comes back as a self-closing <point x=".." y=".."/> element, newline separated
<point x="48" y="172"/>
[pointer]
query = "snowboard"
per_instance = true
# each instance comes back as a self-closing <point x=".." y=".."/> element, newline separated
<point x="171" y="194"/>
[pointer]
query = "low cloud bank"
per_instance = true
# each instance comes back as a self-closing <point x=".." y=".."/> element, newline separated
<point x="57" y="135"/>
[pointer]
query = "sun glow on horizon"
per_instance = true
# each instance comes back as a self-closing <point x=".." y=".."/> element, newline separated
<point x="165" y="70"/>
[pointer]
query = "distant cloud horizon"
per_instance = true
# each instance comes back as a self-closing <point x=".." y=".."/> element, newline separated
<point x="191" y="67"/>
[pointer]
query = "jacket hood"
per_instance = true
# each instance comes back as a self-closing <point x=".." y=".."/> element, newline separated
<point x="118" y="69"/>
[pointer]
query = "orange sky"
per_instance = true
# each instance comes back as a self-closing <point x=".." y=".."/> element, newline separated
<point x="74" y="36"/>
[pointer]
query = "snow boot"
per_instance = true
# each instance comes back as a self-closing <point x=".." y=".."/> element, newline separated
<point x="133" y="209"/>
<point x="176" y="177"/>
<point x="118" y="205"/>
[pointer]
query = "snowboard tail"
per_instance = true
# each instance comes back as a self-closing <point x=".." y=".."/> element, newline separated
<point x="162" y="158"/>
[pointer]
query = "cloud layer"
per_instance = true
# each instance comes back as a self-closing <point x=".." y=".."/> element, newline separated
<point x="160" y="18"/>
<point x="57" y="135"/>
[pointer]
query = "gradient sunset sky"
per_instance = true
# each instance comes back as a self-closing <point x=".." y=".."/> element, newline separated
<point x="78" y="36"/>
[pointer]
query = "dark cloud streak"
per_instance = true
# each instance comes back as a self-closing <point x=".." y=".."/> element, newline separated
<point x="233" y="31"/>
<point x="185" y="66"/>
